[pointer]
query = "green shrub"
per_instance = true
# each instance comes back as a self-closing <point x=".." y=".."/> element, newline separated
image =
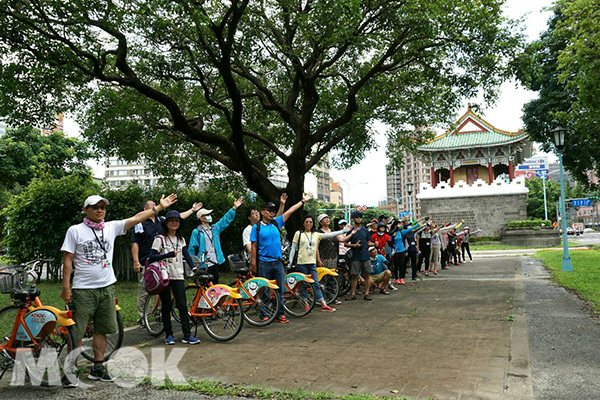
<point x="530" y="223"/>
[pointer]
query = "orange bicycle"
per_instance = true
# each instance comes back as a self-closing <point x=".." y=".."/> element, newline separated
<point x="46" y="332"/>
<point x="27" y="273"/>
<point x="259" y="297"/>
<point x="217" y="307"/>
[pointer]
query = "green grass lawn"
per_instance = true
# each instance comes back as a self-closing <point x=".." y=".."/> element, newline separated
<point x="585" y="278"/>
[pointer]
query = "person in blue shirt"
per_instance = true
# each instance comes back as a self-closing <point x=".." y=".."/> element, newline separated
<point x="266" y="246"/>
<point x="400" y="251"/>
<point x="381" y="274"/>
<point x="205" y="238"/>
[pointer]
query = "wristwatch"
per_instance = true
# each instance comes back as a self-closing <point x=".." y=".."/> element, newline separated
<point x="154" y="209"/>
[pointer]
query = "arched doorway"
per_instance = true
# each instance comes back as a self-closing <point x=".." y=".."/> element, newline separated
<point x="500" y="169"/>
<point x="442" y="174"/>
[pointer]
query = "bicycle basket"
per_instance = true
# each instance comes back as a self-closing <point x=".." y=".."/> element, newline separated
<point x="10" y="279"/>
<point x="237" y="263"/>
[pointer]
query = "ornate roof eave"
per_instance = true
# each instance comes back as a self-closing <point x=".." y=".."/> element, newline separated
<point x="477" y="117"/>
<point x="522" y="137"/>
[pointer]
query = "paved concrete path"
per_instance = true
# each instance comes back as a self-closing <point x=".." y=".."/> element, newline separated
<point x="497" y="328"/>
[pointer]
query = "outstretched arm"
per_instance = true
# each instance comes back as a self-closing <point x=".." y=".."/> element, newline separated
<point x="282" y="200"/>
<point x="192" y="210"/>
<point x="306" y="197"/>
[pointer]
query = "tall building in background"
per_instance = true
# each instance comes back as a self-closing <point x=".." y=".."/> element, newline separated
<point x="323" y="180"/>
<point x="413" y="170"/>
<point x="120" y="174"/>
<point x="337" y="193"/>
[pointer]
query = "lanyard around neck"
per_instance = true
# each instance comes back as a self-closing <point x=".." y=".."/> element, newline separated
<point x="101" y="243"/>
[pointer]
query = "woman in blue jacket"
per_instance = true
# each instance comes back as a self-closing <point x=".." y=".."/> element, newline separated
<point x="205" y="238"/>
<point x="399" y="253"/>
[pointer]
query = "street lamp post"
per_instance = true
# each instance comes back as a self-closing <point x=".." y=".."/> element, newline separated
<point x="559" y="141"/>
<point x="409" y="190"/>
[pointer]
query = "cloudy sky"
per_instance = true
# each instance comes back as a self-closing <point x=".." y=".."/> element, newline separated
<point x="367" y="179"/>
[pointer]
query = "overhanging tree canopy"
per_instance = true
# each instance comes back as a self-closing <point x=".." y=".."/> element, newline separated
<point x="563" y="66"/>
<point x="242" y="85"/>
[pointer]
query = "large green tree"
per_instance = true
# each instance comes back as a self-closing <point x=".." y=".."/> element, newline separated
<point x="26" y="154"/>
<point x="564" y="67"/>
<point x="249" y="86"/>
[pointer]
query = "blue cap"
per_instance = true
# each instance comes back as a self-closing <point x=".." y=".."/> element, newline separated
<point x="172" y="214"/>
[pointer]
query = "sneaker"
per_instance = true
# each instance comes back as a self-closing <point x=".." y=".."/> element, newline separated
<point x="337" y="302"/>
<point x="392" y="287"/>
<point x="70" y="382"/>
<point x="190" y="340"/>
<point x="100" y="374"/>
<point x="414" y="278"/>
<point x="401" y="282"/>
<point x="170" y="340"/>
<point x="327" y="308"/>
<point x="282" y="320"/>
<point x="471" y="261"/>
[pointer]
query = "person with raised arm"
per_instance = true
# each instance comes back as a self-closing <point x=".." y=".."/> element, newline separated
<point x="267" y="259"/>
<point x="88" y="252"/>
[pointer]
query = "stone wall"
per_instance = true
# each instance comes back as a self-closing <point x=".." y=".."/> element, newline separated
<point x="488" y="213"/>
<point x="545" y="237"/>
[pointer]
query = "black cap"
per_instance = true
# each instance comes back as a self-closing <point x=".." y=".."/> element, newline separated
<point x="357" y="214"/>
<point x="268" y="206"/>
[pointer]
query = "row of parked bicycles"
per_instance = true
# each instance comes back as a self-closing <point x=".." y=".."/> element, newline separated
<point x="220" y="309"/>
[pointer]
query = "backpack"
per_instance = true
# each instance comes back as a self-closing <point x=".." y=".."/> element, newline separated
<point x="156" y="276"/>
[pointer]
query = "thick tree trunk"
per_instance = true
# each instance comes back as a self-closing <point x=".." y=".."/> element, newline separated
<point x="294" y="190"/>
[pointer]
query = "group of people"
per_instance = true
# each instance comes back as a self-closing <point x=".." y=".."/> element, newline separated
<point x="377" y="253"/>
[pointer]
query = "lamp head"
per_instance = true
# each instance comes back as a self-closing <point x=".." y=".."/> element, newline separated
<point x="558" y="134"/>
<point x="409" y="187"/>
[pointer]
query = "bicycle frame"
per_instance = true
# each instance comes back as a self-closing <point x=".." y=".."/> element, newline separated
<point x="250" y="287"/>
<point x="208" y="298"/>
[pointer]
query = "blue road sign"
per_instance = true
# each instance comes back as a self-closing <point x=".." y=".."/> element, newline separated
<point x="581" y="203"/>
<point x="542" y="173"/>
<point x="403" y="214"/>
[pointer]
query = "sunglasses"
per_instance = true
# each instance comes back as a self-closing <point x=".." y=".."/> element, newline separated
<point x="97" y="207"/>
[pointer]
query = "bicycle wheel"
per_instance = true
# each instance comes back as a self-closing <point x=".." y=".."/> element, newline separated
<point x="153" y="315"/>
<point x="263" y="309"/>
<point x="344" y="280"/>
<point x="8" y="315"/>
<point x="113" y="341"/>
<point x="227" y="320"/>
<point x="299" y="304"/>
<point x="330" y="288"/>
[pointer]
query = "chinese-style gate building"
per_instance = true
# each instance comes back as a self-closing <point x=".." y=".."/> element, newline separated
<point x="472" y="175"/>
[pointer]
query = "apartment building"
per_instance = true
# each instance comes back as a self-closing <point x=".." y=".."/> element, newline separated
<point x="413" y="170"/>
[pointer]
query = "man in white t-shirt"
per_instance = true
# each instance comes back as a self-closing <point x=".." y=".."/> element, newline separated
<point x="88" y="251"/>
<point x="253" y="217"/>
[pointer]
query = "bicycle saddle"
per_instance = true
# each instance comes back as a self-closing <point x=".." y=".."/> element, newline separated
<point x="27" y="294"/>
<point x="205" y="277"/>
